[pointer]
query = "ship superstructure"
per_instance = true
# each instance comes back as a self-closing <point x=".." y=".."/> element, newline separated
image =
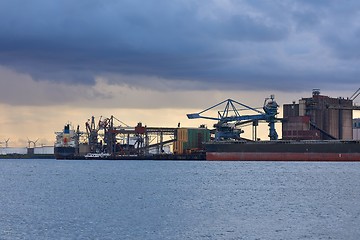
<point x="66" y="145"/>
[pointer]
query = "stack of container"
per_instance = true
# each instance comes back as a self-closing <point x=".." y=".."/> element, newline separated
<point x="190" y="140"/>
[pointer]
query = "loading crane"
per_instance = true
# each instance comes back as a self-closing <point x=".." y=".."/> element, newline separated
<point x="230" y="118"/>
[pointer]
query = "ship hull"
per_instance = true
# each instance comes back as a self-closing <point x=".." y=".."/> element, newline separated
<point x="64" y="152"/>
<point x="283" y="151"/>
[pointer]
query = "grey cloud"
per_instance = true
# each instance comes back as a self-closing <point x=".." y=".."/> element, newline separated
<point x="306" y="20"/>
<point x="242" y="45"/>
<point x="345" y="46"/>
<point x="244" y="28"/>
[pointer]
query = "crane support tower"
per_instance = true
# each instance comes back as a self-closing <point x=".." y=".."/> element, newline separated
<point x="230" y="118"/>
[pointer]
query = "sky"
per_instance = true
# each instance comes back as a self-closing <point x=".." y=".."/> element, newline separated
<point x="155" y="61"/>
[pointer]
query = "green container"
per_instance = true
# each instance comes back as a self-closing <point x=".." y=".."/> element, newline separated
<point x="196" y="137"/>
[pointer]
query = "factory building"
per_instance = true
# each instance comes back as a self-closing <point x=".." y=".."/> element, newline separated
<point x="356" y="129"/>
<point x="318" y="118"/>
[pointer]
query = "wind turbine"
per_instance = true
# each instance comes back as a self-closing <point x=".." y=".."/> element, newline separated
<point x="7" y="142"/>
<point x="33" y="142"/>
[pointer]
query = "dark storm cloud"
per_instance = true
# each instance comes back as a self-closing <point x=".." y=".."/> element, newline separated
<point x="246" y="44"/>
<point x="346" y="45"/>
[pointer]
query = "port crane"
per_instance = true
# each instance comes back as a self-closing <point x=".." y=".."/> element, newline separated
<point x="230" y="118"/>
<point x="123" y="139"/>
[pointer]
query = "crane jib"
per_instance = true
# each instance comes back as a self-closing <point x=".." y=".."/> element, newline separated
<point x="193" y="115"/>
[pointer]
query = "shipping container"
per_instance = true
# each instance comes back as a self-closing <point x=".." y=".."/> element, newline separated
<point x="190" y="139"/>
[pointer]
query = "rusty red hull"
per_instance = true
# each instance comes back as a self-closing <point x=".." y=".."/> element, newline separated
<point x="284" y="151"/>
<point x="239" y="156"/>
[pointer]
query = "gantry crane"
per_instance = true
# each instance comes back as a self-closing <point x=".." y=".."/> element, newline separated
<point x="230" y="118"/>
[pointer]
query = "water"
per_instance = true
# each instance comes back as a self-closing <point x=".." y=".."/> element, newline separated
<point x="49" y="199"/>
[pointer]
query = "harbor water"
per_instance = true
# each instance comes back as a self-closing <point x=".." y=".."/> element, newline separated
<point x="50" y="199"/>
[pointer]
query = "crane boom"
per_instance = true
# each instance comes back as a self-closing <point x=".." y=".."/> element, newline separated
<point x="355" y="94"/>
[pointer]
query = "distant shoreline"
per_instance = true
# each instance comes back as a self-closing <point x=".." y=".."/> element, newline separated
<point x="27" y="156"/>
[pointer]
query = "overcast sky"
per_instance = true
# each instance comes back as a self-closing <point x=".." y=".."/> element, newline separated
<point x="154" y="54"/>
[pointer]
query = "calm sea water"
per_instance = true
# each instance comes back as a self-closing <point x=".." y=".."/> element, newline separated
<point x="49" y="199"/>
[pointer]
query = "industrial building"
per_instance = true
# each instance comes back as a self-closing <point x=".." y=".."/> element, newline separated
<point x="356" y="129"/>
<point x="318" y="118"/>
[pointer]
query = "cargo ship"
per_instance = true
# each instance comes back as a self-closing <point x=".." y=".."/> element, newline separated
<point x="281" y="150"/>
<point x="66" y="143"/>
